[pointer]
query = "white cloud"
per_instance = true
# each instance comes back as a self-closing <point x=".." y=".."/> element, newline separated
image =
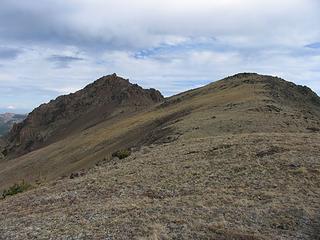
<point x="11" y="107"/>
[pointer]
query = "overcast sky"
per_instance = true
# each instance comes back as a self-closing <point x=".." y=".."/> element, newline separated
<point x="54" y="47"/>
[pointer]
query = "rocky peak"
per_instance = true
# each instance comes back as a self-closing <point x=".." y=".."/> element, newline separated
<point x="105" y="98"/>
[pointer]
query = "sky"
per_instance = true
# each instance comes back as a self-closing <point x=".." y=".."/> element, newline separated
<point x="54" y="47"/>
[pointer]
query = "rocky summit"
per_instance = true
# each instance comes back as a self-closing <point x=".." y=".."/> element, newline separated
<point x="104" y="99"/>
<point x="236" y="159"/>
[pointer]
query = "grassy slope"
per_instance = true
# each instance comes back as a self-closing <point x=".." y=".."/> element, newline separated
<point x="85" y="149"/>
<point x="222" y="107"/>
<point x="204" y="188"/>
<point x="239" y="170"/>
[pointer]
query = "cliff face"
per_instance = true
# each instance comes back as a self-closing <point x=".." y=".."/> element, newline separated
<point x="106" y="98"/>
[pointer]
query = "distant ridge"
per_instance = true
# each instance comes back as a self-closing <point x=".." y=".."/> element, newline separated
<point x="7" y="120"/>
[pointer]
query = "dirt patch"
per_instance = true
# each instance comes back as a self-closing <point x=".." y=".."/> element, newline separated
<point x="266" y="108"/>
<point x="216" y="149"/>
<point x="313" y="129"/>
<point x="271" y="151"/>
<point x="225" y="234"/>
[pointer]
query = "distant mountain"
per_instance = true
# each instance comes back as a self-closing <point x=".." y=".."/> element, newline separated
<point x="7" y="120"/>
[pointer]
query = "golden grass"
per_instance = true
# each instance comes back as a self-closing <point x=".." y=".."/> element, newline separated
<point x="188" y="189"/>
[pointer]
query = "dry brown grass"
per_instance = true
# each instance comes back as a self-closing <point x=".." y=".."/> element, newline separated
<point x="188" y="189"/>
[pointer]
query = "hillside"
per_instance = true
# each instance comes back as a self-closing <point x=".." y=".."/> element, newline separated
<point x="236" y="159"/>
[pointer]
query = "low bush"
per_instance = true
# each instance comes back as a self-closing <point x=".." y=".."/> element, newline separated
<point x="122" y="153"/>
<point x="15" y="189"/>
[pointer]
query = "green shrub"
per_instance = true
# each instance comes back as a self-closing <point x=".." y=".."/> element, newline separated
<point x="122" y="153"/>
<point x="15" y="189"/>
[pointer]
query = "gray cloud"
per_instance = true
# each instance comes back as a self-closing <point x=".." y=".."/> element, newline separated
<point x="9" y="53"/>
<point x="100" y="24"/>
<point x="33" y="21"/>
<point x="61" y="61"/>
<point x="61" y="23"/>
<point x="314" y="45"/>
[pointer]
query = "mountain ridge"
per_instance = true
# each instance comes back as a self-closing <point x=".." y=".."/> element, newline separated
<point x="243" y="103"/>
<point x="236" y="159"/>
